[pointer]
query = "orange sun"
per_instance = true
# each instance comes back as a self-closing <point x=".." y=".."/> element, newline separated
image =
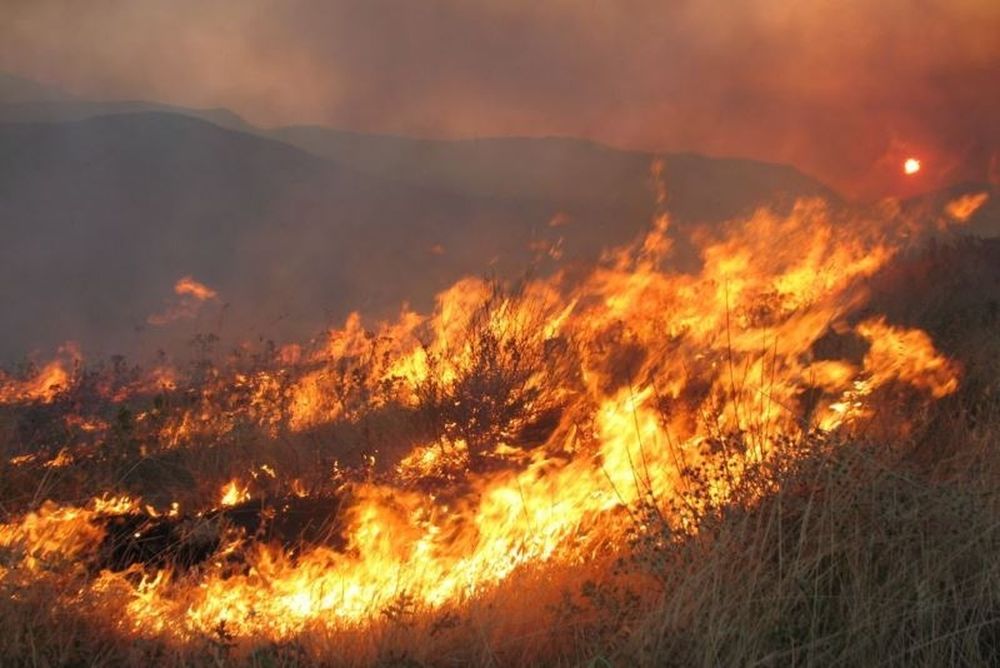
<point x="911" y="166"/>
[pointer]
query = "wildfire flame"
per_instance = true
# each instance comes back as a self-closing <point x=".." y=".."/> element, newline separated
<point x="561" y="411"/>
<point x="188" y="286"/>
<point x="963" y="208"/>
<point x="191" y="296"/>
<point x="233" y="494"/>
<point x="45" y="384"/>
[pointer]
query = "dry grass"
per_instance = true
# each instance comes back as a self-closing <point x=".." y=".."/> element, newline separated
<point x="858" y="558"/>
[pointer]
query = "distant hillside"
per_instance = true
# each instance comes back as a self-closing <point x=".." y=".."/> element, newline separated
<point x="26" y="101"/>
<point x="102" y="212"/>
<point x="18" y="90"/>
<point x="572" y="171"/>
<point x="102" y="216"/>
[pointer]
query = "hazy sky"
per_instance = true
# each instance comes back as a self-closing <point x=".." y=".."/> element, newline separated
<point x="844" y="89"/>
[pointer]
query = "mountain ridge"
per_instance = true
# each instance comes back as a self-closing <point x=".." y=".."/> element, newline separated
<point x="103" y="214"/>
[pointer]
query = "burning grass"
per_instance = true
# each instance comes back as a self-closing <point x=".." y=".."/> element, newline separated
<point x="782" y="457"/>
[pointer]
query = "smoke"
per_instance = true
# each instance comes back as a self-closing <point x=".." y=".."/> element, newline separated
<point x="845" y="90"/>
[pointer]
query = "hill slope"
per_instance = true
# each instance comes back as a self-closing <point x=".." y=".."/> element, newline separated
<point x="572" y="171"/>
<point x="103" y="215"/>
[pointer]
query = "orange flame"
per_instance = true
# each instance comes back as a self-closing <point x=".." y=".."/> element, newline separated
<point x="559" y="412"/>
<point x="233" y="493"/>
<point x="191" y="296"/>
<point x="963" y="208"/>
<point x="44" y="385"/>
<point x="188" y="286"/>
